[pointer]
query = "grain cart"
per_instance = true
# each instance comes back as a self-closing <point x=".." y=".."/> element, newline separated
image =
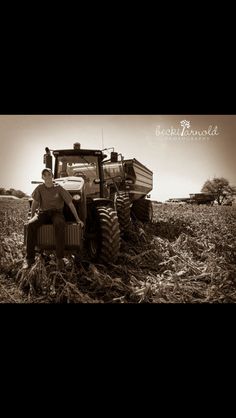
<point x="80" y="172"/>
<point x="129" y="183"/>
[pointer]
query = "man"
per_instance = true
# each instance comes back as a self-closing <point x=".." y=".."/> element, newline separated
<point x="49" y="198"/>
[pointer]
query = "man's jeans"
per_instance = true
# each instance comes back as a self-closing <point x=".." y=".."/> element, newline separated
<point x="50" y="216"/>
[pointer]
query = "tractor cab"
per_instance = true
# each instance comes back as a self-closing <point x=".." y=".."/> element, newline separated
<point x="73" y="166"/>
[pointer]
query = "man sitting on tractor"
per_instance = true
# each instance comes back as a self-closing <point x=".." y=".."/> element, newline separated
<point x="49" y="197"/>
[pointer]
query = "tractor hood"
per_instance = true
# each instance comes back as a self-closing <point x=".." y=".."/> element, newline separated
<point x="71" y="184"/>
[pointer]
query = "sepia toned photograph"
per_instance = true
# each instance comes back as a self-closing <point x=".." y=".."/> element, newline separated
<point x="135" y="209"/>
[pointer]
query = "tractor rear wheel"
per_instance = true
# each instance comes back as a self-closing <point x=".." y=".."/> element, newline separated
<point x="105" y="244"/>
<point x="142" y="210"/>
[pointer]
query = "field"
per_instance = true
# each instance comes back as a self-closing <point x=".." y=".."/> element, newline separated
<point x="187" y="255"/>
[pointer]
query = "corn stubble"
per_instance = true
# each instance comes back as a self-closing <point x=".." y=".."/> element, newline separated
<point x="187" y="255"/>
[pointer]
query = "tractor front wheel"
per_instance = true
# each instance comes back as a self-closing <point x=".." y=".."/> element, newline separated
<point x="104" y="246"/>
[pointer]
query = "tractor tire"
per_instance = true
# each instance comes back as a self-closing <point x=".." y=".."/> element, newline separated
<point x="105" y="246"/>
<point x="142" y="210"/>
<point x="123" y="211"/>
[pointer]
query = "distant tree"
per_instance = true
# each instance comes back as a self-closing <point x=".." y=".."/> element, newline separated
<point x="2" y="191"/>
<point x="220" y="187"/>
<point x="13" y="192"/>
<point x="19" y="193"/>
<point x="10" y="192"/>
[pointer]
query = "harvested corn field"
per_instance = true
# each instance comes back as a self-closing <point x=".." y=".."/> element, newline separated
<point x="186" y="255"/>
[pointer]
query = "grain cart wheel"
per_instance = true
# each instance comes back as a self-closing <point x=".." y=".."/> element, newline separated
<point x="123" y="211"/>
<point x="142" y="210"/>
<point x="106" y="245"/>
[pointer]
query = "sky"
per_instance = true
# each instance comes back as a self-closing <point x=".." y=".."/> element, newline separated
<point x="183" y="151"/>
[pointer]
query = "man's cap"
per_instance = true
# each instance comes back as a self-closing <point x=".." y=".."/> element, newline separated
<point x="46" y="169"/>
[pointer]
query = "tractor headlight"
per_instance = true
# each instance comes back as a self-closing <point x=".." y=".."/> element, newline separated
<point x="76" y="197"/>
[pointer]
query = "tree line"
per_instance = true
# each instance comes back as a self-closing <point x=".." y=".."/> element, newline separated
<point x="11" y="192"/>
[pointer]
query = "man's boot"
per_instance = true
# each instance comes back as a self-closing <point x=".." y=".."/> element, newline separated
<point x="60" y="264"/>
<point x="28" y="263"/>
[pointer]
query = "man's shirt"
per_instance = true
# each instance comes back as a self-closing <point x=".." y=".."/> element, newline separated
<point x="51" y="197"/>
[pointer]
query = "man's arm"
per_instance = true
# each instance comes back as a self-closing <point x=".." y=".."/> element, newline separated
<point x="73" y="210"/>
<point x="34" y="206"/>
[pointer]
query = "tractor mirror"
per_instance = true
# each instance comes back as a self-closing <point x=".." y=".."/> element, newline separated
<point x="47" y="159"/>
<point x="114" y="157"/>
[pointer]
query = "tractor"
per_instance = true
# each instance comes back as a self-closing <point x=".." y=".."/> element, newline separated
<point x="106" y="194"/>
